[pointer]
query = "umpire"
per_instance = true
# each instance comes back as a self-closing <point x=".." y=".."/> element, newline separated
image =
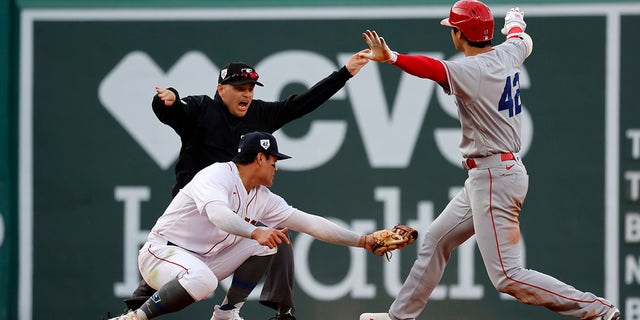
<point x="210" y="130"/>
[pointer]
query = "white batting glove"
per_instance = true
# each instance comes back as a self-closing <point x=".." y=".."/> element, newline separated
<point x="379" y="51"/>
<point x="513" y="18"/>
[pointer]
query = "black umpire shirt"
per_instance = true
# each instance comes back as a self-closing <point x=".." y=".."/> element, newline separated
<point x="210" y="133"/>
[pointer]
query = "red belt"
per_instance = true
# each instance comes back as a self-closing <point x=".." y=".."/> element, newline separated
<point x="505" y="156"/>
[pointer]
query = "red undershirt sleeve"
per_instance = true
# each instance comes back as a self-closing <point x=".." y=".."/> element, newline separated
<point x="423" y="67"/>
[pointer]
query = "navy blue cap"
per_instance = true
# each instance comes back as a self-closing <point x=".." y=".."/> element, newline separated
<point x="260" y="142"/>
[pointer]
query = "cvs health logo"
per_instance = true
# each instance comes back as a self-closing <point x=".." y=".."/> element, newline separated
<point x="389" y="133"/>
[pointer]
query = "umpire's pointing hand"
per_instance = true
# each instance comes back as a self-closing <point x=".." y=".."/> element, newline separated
<point x="166" y="95"/>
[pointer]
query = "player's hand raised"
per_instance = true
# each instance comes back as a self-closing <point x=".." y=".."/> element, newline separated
<point x="378" y="49"/>
<point x="513" y="19"/>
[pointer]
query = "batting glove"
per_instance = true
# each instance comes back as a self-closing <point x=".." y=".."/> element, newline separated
<point x="513" y="18"/>
<point x="379" y="51"/>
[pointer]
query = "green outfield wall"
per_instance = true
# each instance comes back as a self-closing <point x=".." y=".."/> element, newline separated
<point x="8" y="214"/>
<point x="86" y="168"/>
<point x="270" y="3"/>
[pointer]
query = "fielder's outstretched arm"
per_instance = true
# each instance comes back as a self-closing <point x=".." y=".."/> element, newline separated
<point x="325" y="230"/>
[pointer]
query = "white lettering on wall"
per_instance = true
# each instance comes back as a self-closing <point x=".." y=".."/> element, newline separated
<point x="632" y="308"/>
<point x="632" y="227"/>
<point x="634" y="136"/>
<point x="132" y="196"/>
<point x="634" y="184"/>
<point x="355" y="283"/>
<point x="632" y="270"/>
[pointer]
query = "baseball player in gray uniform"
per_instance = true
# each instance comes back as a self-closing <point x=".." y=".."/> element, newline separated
<point x="209" y="228"/>
<point x="485" y="84"/>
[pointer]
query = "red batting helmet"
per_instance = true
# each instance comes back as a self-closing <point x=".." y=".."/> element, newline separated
<point x="473" y="18"/>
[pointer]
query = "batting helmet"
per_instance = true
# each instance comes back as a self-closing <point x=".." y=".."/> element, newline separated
<point x="473" y="18"/>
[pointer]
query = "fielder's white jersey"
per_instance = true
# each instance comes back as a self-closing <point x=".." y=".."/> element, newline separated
<point x="186" y="223"/>
<point x="487" y="92"/>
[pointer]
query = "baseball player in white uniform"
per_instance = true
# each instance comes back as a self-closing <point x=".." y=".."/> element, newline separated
<point x="209" y="228"/>
<point x="485" y="84"/>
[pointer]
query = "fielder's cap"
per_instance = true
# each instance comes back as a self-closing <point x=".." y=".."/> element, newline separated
<point x="260" y="142"/>
<point x="237" y="73"/>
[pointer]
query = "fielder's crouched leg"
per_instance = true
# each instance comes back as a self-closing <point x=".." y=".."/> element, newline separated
<point x="139" y="296"/>
<point x="277" y="292"/>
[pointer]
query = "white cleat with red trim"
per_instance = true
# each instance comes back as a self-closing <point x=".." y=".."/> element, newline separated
<point x="128" y="316"/>
<point x="612" y="314"/>
<point x="375" y="316"/>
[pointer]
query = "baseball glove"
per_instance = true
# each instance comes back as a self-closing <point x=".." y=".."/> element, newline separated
<point x="388" y="240"/>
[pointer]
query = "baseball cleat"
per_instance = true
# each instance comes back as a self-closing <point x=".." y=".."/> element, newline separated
<point x="219" y="314"/>
<point x="612" y="314"/>
<point x="128" y="316"/>
<point x="285" y="316"/>
<point x="375" y="316"/>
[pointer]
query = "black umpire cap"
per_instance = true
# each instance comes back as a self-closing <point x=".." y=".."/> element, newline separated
<point x="237" y="73"/>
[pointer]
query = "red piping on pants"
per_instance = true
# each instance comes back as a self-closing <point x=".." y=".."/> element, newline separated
<point x="495" y="234"/>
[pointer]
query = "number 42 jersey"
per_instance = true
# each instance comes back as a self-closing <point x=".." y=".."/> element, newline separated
<point x="486" y="88"/>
